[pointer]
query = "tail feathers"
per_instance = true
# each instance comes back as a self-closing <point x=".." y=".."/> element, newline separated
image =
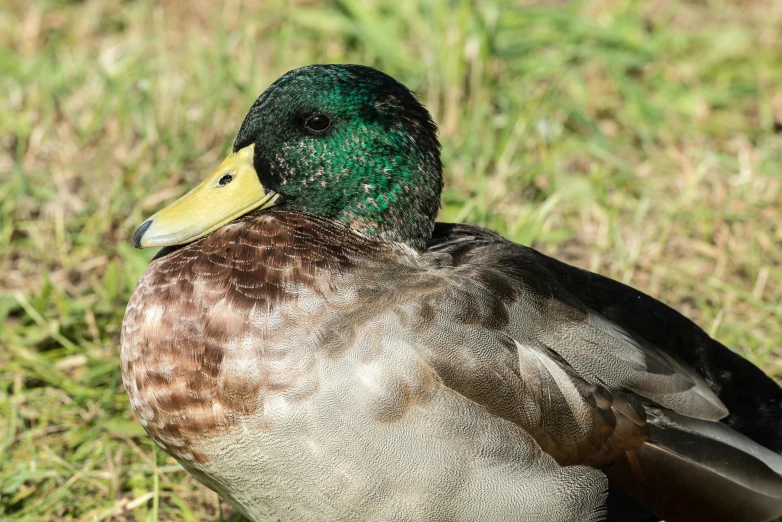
<point x="693" y="470"/>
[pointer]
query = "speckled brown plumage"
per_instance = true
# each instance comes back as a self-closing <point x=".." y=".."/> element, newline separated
<point x="195" y="300"/>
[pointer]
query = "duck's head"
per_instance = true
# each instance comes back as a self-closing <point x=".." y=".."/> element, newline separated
<point x="344" y="142"/>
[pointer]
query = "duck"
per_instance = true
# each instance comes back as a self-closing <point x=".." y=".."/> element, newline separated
<point x="313" y="346"/>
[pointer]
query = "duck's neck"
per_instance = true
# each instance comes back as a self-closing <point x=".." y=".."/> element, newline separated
<point x="396" y="202"/>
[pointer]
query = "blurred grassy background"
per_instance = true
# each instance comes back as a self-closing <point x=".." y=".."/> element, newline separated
<point x="638" y="139"/>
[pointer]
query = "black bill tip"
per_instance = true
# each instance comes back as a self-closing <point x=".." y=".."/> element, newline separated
<point x="140" y="233"/>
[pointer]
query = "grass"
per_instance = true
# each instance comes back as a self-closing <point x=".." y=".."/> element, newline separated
<point x="637" y="139"/>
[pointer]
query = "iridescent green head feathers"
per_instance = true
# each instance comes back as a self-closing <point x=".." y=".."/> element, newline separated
<point x="348" y="143"/>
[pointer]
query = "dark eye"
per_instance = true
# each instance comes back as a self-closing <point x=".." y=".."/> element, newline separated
<point x="225" y="180"/>
<point x="318" y="123"/>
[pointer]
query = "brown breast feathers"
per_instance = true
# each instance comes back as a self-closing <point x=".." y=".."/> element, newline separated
<point x="194" y="305"/>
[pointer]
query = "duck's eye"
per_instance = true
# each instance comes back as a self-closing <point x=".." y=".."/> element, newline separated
<point x="225" y="180"/>
<point x="318" y="123"/>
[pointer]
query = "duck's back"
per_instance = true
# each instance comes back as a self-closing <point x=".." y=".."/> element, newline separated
<point x="754" y="400"/>
<point x="711" y="421"/>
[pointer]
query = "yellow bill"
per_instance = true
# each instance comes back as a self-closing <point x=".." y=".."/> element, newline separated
<point x="229" y="192"/>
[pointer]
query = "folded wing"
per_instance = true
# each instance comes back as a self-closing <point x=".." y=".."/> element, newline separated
<point x="593" y="391"/>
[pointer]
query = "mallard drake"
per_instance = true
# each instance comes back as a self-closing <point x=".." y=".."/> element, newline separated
<point x="313" y="346"/>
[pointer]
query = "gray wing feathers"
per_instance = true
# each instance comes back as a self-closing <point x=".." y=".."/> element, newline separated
<point x="552" y="399"/>
<point x="603" y="353"/>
